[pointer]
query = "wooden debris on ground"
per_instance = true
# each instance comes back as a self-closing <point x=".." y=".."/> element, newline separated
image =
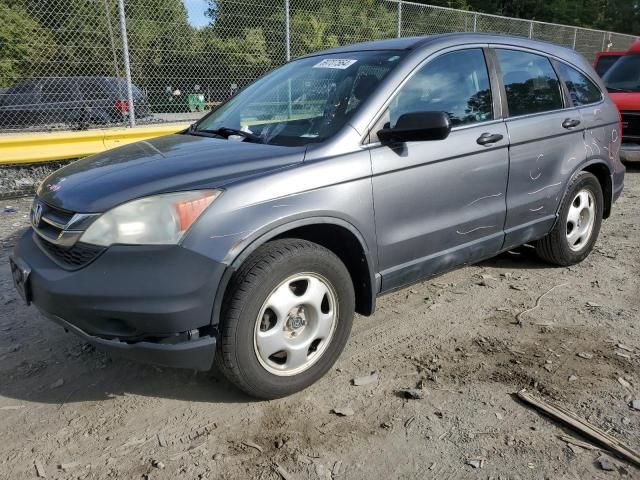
<point x="582" y="426"/>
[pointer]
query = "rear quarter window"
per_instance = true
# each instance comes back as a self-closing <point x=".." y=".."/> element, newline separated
<point x="531" y="84"/>
<point x="118" y="86"/>
<point x="582" y="90"/>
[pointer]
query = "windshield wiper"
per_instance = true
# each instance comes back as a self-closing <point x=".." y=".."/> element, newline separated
<point x="224" y="132"/>
<point x="192" y="130"/>
<point x="227" y="132"/>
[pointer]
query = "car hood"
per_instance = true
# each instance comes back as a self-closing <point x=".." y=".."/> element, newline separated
<point x="626" y="100"/>
<point x="163" y="164"/>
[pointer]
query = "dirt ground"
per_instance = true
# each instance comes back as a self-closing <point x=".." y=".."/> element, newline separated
<point x="73" y="412"/>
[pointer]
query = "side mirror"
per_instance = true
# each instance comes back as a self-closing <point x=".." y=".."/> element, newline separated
<point x="417" y="127"/>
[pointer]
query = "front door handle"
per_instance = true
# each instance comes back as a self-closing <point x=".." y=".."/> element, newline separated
<point x="488" y="138"/>
<point x="570" y="123"/>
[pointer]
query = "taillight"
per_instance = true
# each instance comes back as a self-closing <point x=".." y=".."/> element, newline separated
<point x="121" y="105"/>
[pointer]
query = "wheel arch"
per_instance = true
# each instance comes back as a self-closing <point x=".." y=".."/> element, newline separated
<point x="603" y="173"/>
<point x="333" y="233"/>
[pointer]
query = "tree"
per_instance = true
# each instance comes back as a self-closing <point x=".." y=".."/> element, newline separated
<point x="24" y="45"/>
<point x="311" y="32"/>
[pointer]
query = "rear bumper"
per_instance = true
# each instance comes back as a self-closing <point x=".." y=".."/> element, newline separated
<point x="149" y="303"/>
<point x="630" y="152"/>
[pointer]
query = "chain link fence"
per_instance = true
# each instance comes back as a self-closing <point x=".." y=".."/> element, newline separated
<point x="76" y="64"/>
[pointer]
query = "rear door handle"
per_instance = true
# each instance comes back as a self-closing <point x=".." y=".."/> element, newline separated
<point x="489" y="138"/>
<point x="570" y="123"/>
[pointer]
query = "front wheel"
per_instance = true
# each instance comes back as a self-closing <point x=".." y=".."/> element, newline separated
<point x="578" y="225"/>
<point x="286" y="318"/>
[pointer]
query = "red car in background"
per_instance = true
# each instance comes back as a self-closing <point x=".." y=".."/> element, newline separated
<point x="623" y="84"/>
<point x="605" y="60"/>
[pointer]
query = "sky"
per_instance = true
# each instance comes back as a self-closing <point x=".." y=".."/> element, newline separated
<point x="195" y="10"/>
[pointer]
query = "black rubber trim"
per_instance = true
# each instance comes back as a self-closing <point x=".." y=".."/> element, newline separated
<point x="197" y="354"/>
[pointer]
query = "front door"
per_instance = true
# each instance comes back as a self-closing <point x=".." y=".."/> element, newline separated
<point x="439" y="204"/>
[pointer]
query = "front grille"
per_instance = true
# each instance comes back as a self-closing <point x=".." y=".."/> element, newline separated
<point x="57" y="233"/>
<point x="630" y="126"/>
<point x="74" y="257"/>
<point x="49" y="221"/>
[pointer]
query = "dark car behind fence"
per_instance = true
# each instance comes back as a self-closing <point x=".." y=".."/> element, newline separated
<point x="67" y="64"/>
<point x="76" y="102"/>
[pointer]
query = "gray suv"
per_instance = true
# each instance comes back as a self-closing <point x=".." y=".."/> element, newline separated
<point x="250" y="239"/>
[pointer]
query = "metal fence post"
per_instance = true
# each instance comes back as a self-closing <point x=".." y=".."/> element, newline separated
<point x="475" y="22"/>
<point x="287" y="30"/>
<point x="399" y="32"/>
<point x="127" y="66"/>
<point x="575" y="36"/>
<point x="530" y="29"/>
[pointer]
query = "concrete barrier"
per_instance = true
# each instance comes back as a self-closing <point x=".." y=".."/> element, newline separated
<point x="44" y="147"/>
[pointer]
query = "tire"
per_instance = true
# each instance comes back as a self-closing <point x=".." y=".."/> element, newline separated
<point x="253" y="323"/>
<point x="563" y="245"/>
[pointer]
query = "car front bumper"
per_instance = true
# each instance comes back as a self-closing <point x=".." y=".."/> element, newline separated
<point x="630" y="152"/>
<point x="149" y="303"/>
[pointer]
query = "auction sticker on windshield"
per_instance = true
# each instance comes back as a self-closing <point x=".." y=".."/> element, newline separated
<point x="340" y="63"/>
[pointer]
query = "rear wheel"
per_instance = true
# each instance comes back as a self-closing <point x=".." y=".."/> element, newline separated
<point x="286" y="318"/>
<point x="578" y="225"/>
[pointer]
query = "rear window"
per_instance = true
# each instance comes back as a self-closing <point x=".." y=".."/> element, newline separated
<point x="530" y="82"/>
<point x="582" y="90"/>
<point x="119" y="87"/>
<point x="93" y="89"/>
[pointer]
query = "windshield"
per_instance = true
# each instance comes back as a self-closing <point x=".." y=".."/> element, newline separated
<point x="605" y="62"/>
<point x="305" y="101"/>
<point x="624" y="75"/>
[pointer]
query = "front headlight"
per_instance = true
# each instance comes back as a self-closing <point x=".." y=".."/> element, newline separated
<point x="160" y="219"/>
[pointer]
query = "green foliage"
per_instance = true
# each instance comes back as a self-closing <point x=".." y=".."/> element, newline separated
<point x="239" y="57"/>
<point x="621" y="16"/>
<point x="244" y="37"/>
<point x="311" y="32"/>
<point x="23" y="44"/>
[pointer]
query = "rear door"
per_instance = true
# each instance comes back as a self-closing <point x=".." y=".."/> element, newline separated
<point x="599" y="120"/>
<point x="439" y="204"/>
<point x="546" y="136"/>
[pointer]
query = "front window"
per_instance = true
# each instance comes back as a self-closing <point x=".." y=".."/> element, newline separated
<point x="305" y="101"/>
<point x="624" y="75"/>
<point x="456" y="83"/>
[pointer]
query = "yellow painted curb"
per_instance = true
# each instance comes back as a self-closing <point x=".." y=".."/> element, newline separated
<point x="45" y="147"/>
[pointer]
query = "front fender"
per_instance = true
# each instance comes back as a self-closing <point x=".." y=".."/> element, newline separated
<point x="248" y="245"/>
<point x="233" y="228"/>
<point x="252" y="242"/>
